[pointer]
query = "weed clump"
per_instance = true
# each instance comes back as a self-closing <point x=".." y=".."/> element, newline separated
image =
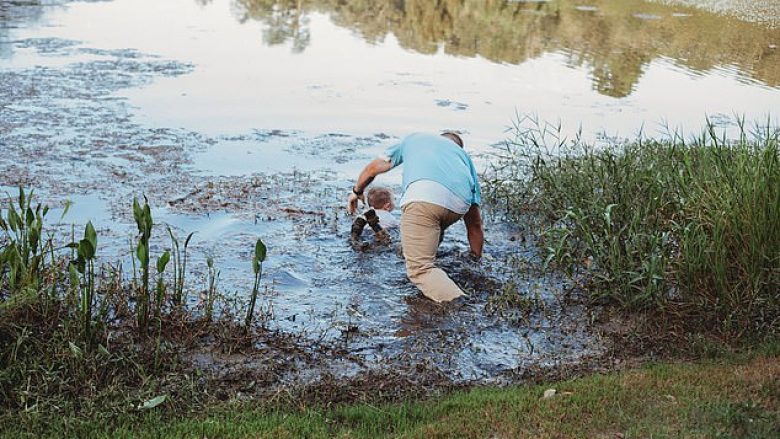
<point x="79" y="336"/>
<point x="687" y="228"/>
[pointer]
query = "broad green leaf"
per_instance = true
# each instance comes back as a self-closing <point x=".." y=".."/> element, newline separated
<point x="260" y="250"/>
<point x="162" y="261"/>
<point x="86" y="250"/>
<point x="142" y="253"/>
<point x="148" y="223"/>
<point x="91" y="235"/>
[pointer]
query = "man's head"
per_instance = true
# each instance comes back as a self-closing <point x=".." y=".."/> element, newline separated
<point x="454" y="137"/>
<point x="380" y="198"/>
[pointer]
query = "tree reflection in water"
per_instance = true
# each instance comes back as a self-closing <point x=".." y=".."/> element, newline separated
<point x="616" y="40"/>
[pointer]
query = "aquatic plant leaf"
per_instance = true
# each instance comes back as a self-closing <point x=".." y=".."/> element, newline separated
<point x="260" y="250"/>
<point x="35" y="234"/>
<point x="13" y="219"/>
<point x="187" y="241"/>
<point x="91" y="235"/>
<point x="147" y="215"/>
<point x="162" y="261"/>
<point x="152" y="403"/>
<point x="142" y="253"/>
<point x="86" y="250"/>
<point x="21" y="197"/>
<point x="137" y="212"/>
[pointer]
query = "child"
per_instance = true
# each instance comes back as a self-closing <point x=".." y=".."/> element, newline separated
<point x="378" y="216"/>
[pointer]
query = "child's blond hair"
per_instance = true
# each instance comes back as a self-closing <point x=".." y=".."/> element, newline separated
<point x="378" y="197"/>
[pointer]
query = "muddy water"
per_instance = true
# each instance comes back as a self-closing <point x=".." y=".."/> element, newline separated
<point x="246" y="119"/>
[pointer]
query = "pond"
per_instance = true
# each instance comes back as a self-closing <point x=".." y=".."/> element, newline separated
<point x="241" y="119"/>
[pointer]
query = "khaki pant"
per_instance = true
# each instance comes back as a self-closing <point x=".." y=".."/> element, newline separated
<point x="422" y="228"/>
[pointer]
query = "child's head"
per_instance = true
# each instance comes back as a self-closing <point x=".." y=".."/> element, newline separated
<point x="380" y="198"/>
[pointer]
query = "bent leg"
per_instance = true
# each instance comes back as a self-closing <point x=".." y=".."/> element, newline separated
<point x="421" y="228"/>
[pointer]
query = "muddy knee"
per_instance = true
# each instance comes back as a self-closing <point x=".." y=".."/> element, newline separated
<point x="416" y="269"/>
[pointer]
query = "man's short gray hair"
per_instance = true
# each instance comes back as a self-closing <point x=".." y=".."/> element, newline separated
<point x="454" y="137"/>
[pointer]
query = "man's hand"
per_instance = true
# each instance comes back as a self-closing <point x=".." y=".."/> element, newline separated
<point x="352" y="203"/>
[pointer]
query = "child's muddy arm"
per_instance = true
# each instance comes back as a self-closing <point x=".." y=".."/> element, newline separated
<point x="476" y="236"/>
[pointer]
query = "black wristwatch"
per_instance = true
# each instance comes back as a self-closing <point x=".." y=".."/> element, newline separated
<point x="359" y="194"/>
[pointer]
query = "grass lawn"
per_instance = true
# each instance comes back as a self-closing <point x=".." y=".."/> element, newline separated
<point x="724" y="398"/>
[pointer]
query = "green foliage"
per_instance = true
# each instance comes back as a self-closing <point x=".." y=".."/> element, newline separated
<point x="84" y="265"/>
<point x="684" y="227"/>
<point x="179" y="267"/>
<point x="257" y="267"/>
<point x="144" y="222"/>
<point x="23" y="248"/>
<point x="211" y="291"/>
<point x="162" y="262"/>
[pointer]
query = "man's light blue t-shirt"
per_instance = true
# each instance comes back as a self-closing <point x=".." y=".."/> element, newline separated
<point x="437" y="158"/>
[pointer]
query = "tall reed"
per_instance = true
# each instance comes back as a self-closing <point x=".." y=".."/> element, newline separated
<point x="692" y="227"/>
<point x="179" y="267"/>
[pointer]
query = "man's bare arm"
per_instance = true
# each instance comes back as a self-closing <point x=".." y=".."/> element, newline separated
<point x="476" y="236"/>
<point x="367" y="175"/>
<point x="374" y="168"/>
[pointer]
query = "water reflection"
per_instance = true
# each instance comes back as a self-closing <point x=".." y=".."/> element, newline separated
<point x="11" y="14"/>
<point x="615" y="40"/>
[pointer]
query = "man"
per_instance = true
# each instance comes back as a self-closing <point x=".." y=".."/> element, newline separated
<point x="440" y="187"/>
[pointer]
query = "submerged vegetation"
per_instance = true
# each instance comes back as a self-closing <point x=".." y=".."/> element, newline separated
<point x="686" y="228"/>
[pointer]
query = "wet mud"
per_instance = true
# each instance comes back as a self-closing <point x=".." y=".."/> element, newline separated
<point x="347" y="317"/>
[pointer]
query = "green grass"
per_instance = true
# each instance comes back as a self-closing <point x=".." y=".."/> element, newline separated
<point x="726" y="398"/>
<point x="689" y="228"/>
